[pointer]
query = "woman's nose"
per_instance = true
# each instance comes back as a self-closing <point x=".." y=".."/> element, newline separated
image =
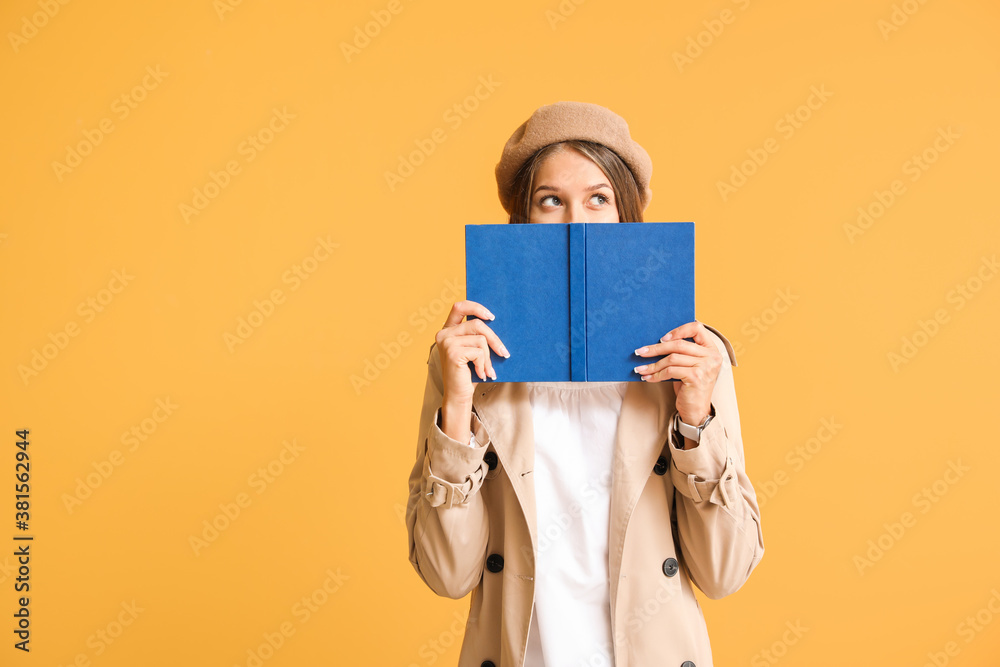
<point x="575" y="212"/>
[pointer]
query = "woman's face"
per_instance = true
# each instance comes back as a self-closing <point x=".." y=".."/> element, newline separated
<point x="569" y="187"/>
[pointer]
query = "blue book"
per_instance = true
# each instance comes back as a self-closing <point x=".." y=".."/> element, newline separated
<point x="573" y="301"/>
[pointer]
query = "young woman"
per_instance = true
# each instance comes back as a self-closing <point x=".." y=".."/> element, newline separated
<point x="580" y="514"/>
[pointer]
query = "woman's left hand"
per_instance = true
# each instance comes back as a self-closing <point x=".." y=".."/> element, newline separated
<point x="696" y="365"/>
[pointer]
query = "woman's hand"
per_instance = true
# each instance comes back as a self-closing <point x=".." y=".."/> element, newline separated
<point x="696" y="365"/>
<point x="461" y="342"/>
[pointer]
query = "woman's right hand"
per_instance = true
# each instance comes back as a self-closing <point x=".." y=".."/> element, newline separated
<point x="461" y="341"/>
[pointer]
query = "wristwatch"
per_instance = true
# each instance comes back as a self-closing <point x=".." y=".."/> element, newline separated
<point x="688" y="431"/>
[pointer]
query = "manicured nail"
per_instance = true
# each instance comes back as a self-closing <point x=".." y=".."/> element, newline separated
<point x="642" y="350"/>
<point x="666" y="338"/>
<point x="493" y="374"/>
<point x="492" y="316"/>
<point x="639" y="369"/>
<point x="505" y="353"/>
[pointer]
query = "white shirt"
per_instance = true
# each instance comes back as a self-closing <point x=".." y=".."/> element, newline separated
<point x="574" y="426"/>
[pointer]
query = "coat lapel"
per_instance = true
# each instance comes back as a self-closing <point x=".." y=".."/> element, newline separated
<point x="643" y="428"/>
<point x="505" y="410"/>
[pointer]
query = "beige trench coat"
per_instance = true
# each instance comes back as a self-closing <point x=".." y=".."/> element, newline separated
<point x="678" y="517"/>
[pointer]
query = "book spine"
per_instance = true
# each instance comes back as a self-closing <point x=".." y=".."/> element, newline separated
<point x="578" y="301"/>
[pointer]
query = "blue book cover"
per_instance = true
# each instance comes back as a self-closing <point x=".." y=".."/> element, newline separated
<point x="573" y="301"/>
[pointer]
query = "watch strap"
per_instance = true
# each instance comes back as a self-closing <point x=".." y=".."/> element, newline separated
<point x="690" y="431"/>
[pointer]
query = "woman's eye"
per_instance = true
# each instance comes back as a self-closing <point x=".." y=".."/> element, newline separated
<point x="552" y="200"/>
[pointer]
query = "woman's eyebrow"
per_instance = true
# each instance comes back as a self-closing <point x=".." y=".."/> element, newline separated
<point x="592" y="187"/>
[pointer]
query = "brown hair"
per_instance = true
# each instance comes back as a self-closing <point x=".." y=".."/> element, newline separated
<point x="622" y="180"/>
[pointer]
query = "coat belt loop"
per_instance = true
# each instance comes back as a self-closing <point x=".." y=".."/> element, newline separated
<point x="693" y="488"/>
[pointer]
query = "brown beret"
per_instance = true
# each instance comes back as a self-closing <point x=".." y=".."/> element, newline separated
<point x="557" y="122"/>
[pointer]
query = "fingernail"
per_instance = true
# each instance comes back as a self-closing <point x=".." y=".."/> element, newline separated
<point x="493" y="374"/>
<point x="642" y="350"/>
<point x="639" y="369"/>
<point x="506" y="354"/>
<point x="492" y="316"/>
<point x="666" y="338"/>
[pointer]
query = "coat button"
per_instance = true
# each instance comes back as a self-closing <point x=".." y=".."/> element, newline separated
<point x="495" y="563"/>
<point x="670" y="569"/>
<point x="687" y="663"/>
<point x="661" y="466"/>
<point x="491" y="459"/>
<point x="489" y="663"/>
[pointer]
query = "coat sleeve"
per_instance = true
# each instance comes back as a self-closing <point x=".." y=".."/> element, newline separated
<point x="718" y="519"/>
<point x="446" y="518"/>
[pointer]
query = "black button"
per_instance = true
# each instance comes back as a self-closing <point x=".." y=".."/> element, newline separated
<point x="494" y="563"/>
<point x="491" y="459"/>
<point x="489" y="663"/>
<point x="670" y="569"/>
<point x="661" y="466"/>
<point x="687" y="663"/>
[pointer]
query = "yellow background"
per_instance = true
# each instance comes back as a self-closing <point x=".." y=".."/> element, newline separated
<point x="337" y="505"/>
